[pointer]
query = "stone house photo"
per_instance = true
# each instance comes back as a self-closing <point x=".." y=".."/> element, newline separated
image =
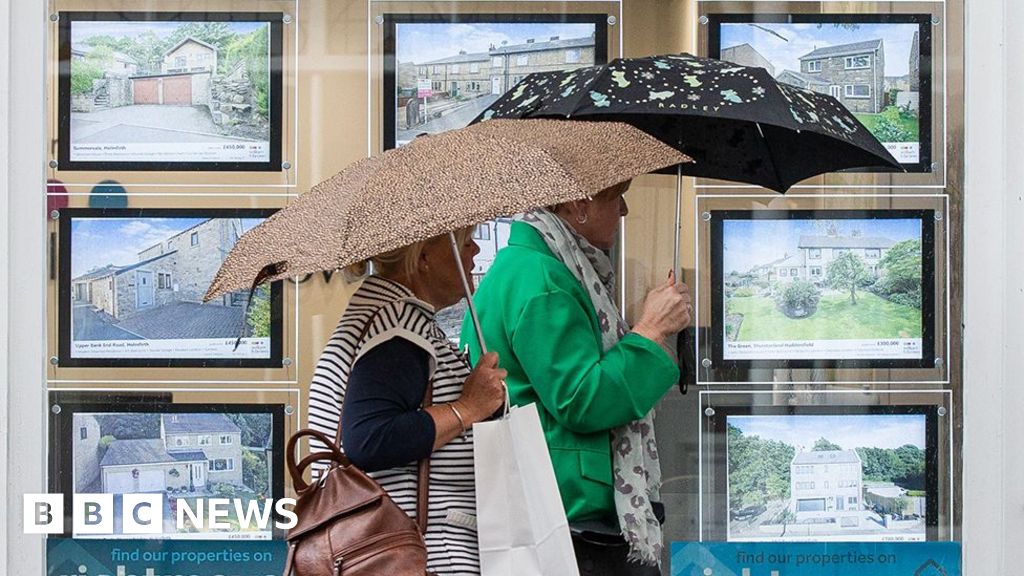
<point x="872" y="68"/>
<point x="827" y="485"/>
<point x="467" y="77"/>
<point x="816" y="280"/>
<point x="832" y="476"/>
<point x="165" y="82"/>
<point x="157" y="295"/>
<point x="183" y="455"/>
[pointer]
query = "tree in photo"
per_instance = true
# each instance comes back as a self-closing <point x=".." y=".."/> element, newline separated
<point x="90" y="68"/>
<point x="252" y="50"/>
<point x="900" y="280"/>
<point x="847" y="272"/>
<point x="130" y="426"/>
<point x="259" y="314"/>
<point x="254" y="473"/>
<point x="759" y="469"/>
<point x="824" y="445"/>
<point x="798" y="299"/>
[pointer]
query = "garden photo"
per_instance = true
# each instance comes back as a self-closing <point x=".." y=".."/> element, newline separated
<point x="137" y="286"/>
<point x="822" y="288"/>
<point x="447" y="73"/>
<point x="827" y="477"/>
<point x="170" y="91"/>
<point x="186" y="457"/>
<point x="872" y="68"/>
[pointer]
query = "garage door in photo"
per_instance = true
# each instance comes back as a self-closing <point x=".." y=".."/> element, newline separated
<point x="178" y="90"/>
<point x="147" y="90"/>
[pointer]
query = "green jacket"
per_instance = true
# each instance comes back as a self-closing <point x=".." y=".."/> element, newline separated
<point x="539" y="319"/>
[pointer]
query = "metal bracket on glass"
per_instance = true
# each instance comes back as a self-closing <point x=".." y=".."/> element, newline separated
<point x="55" y="408"/>
<point x="936" y="20"/>
<point x="54" y="214"/>
<point x="52" y="163"/>
<point x="287" y="19"/>
<point x="705" y="216"/>
<point x="612" y="20"/>
<point x="54" y="17"/>
<point x="289" y="410"/>
<point x="941" y="411"/>
<point x="286" y="362"/>
<point x="709" y="411"/>
<point x="54" y="360"/>
<point x="938" y="215"/>
<point x="378" y="19"/>
<point x="703" y="20"/>
<point x="286" y="165"/>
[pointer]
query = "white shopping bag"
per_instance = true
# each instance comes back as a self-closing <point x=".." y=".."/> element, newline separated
<point x="521" y="524"/>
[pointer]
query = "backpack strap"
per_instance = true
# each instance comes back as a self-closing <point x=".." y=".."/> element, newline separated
<point x="423" y="466"/>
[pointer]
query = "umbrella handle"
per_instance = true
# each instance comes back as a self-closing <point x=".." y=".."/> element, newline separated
<point x="468" y="292"/>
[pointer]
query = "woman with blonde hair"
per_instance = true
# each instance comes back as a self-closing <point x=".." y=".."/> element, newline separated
<point x="373" y="375"/>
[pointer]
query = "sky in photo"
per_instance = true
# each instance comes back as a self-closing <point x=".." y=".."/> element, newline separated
<point x="799" y="39"/>
<point x="848" y="431"/>
<point x="82" y="29"/>
<point x="424" y="42"/>
<point x="750" y="243"/>
<point x="98" y="242"/>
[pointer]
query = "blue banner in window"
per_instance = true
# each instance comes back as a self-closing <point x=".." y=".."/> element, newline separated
<point x="816" y="559"/>
<point x="77" y="557"/>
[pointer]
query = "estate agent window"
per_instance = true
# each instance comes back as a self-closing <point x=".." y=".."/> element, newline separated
<point x="572" y="56"/>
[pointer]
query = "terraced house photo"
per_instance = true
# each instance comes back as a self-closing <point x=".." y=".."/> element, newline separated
<point x="447" y="73"/>
<point x="184" y="456"/>
<point x="837" y="477"/>
<point x="821" y="287"/>
<point x="137" y="284"/>
<point x="873" y="68"/>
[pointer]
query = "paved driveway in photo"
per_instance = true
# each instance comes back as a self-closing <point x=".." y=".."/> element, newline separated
<point x="90" y="324"/>
<point x="180" y="320"/>
<point x="146" y="123"/>
<point x="458" y="118"/>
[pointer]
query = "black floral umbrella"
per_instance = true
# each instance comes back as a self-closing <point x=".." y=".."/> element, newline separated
<point x="736" y="122"/>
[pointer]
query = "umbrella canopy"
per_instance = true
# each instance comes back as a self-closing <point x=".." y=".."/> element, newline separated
<point x="438" y="184"/>
<point x="736" y="122"/>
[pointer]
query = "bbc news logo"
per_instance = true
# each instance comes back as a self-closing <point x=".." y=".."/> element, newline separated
<point x="94" y="514"/>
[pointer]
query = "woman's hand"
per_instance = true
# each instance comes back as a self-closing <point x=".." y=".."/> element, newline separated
<point x="667" y="310"/>
<point x="484" y="390"/>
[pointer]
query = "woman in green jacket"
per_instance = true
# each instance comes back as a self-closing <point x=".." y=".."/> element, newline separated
<point x="546" y="306"/>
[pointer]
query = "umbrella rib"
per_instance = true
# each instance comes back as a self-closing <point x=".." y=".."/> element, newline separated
<point x="771" y="158"/>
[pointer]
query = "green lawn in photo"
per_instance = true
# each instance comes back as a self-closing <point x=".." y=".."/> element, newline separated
<point x="836" y="319"/>
<point x="908" y="124"/>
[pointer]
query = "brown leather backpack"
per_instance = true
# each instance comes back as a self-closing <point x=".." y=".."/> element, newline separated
<point x="348" y="525"/>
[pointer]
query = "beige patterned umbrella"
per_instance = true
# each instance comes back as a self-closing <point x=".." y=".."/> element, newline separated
<point x="438" y="184"/>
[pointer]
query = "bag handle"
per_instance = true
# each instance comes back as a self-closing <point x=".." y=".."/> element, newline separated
<point x="333" y="454"/>
<point x="422" y="468"/>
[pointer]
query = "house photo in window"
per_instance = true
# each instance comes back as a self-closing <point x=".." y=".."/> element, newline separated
<point x="132" y="284"/>
<point x="824" y="288"/>
<point x="877" y="65"/>
<point x="159" y="91"/>
<point x="158" y="447"/>
<point x="826" y="473"/>
<point x="470" y="60"/>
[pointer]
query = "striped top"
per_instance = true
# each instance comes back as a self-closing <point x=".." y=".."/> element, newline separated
<point x="451" y="528"/>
